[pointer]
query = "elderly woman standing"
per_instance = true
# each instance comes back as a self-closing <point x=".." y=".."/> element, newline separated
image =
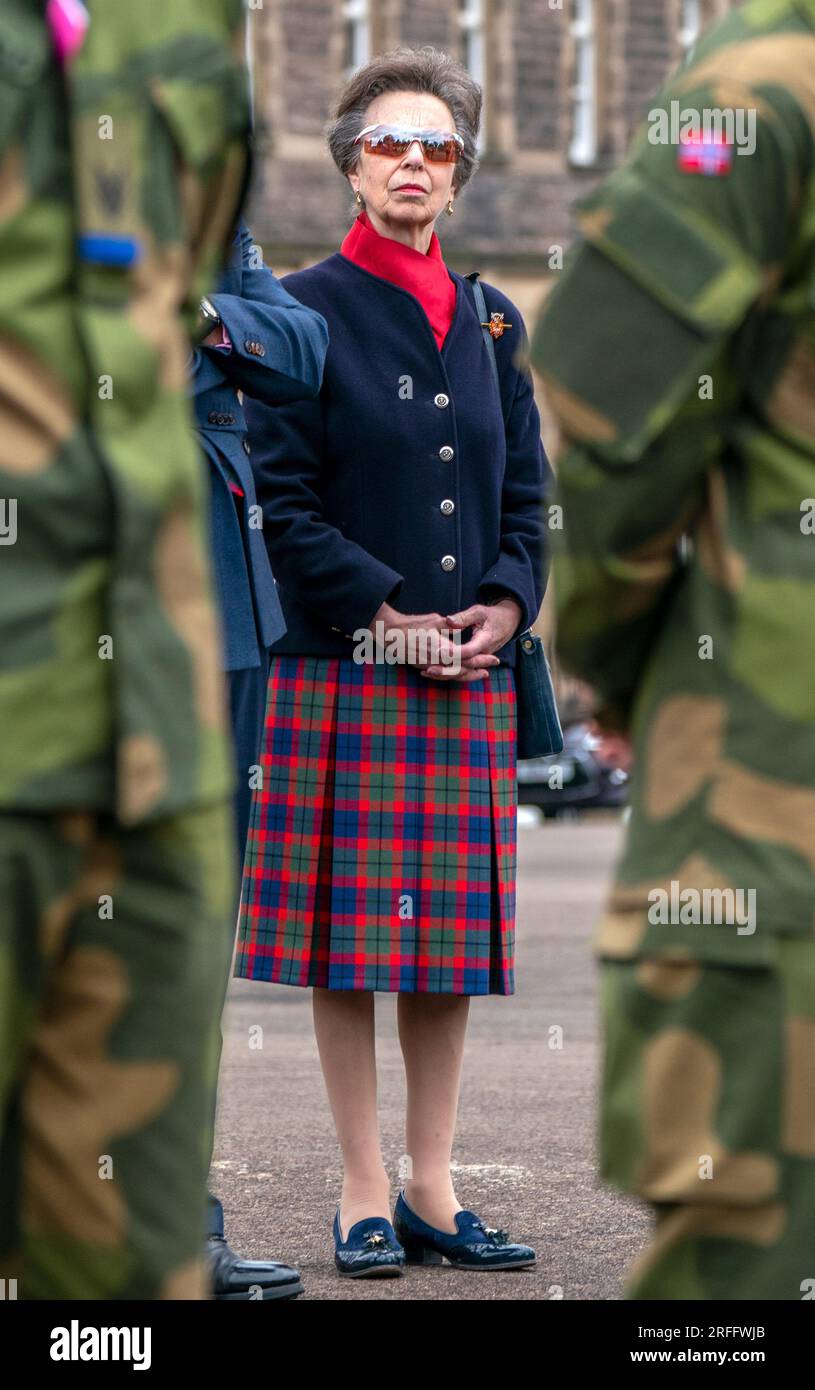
<point x="404" y="501"/>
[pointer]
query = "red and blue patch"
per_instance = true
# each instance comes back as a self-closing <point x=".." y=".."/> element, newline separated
<point x="709" y="154"/>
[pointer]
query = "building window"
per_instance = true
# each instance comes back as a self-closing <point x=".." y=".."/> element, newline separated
<point x="583" y="148"/>
<point x="471" y="25"/>
<point x="690" y="23"/>
<point x="473" y="49"/>
<point x="356" y="16"/>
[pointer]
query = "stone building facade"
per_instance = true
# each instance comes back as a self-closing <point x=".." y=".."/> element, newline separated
<point x="565" y="82"/>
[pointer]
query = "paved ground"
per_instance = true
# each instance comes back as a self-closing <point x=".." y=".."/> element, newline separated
<point x="524" y="1153"/>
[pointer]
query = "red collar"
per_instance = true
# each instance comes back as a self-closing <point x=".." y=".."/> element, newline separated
<point x="424" y="276"/>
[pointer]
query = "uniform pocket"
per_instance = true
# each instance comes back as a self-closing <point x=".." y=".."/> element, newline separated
<point x="673" y="290"/>
<point x="695" y="270"/>
<point x="200" y="122"/>
<point x="201" y="113"/>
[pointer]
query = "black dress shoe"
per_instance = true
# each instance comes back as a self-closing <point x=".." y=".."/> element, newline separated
<point x="236" y="1278"/>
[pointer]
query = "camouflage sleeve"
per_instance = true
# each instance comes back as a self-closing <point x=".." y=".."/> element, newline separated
<point x="638" y="346"/>
<point x="205" y="106"/>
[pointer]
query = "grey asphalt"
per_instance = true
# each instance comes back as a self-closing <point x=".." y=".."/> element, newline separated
<point x="524" y="1155"/>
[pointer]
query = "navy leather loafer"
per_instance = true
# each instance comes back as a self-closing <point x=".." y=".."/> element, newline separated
<point x="474" y="1245"/>
<point x="371" y="1250"/>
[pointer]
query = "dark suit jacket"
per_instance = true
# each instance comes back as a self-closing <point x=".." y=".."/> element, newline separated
<point x="352" y="483"/>
<point x="278" y="351"/>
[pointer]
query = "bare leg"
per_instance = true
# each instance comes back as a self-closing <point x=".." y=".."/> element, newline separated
<point x="344" y="1027"/>
<point x="432" y="1028"/>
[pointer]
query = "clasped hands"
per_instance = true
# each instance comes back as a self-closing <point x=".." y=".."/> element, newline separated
<point x="493" y="625"/>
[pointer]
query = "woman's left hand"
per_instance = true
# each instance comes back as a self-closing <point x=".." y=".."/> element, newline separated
<point x="493" y="626"/>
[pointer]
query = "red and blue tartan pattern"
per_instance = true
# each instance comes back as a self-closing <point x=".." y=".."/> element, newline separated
<point x="382" y="845"/>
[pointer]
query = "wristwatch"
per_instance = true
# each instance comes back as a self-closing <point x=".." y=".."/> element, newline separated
<point x="209" y="312"/>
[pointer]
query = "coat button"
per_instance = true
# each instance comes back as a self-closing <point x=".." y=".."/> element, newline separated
<point x="229" y="419"/>
<point x="441" y="400"/>
<point x="213" y="417"/>
<point x="247" y="448"/>
<point x="447" y="507"/>
<point x="445" y="453"/>
<point x="448" y="563"/>
<point x="255" y="348"/>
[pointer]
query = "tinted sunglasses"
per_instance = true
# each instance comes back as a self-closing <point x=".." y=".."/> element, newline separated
<point x="394" y="141"/>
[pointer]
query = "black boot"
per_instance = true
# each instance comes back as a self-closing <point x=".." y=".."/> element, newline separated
<point x="236" y="1278"/>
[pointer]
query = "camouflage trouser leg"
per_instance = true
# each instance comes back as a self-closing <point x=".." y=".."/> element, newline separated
<point x="708" y="1113"/>
<point x="114" y="957"/>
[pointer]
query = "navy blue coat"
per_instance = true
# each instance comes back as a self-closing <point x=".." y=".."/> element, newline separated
<point x="278" y="352"/>
<point x="352" y="483"/>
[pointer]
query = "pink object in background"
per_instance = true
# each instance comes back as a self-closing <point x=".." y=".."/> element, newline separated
<point x="68" y="21"/>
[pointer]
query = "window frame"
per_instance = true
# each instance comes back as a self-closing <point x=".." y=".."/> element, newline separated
<point x="690" y="28"/>
<point x="357" y="24"/>
<point x="584" y="92"/>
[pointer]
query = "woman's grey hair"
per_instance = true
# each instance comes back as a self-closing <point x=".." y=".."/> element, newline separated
<point x="408" y="70"/>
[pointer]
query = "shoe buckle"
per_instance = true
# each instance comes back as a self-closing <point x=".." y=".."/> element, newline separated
<point x="494" y="1235"/>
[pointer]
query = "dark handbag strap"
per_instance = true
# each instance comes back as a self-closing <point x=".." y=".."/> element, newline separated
<point x="483" y="316"/>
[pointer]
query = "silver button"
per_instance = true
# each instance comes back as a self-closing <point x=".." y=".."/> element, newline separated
<point x="445" y="453"/>
<point x="447" y="507"/>
<point x="448" y="563"/>
<point x="442" y="400"/>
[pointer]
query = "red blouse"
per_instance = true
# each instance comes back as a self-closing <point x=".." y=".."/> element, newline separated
<point x="424" y="276"/>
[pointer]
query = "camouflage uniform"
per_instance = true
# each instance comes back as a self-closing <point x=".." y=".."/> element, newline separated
<point x="120" y="180"/>
<point x="678" y="353"/>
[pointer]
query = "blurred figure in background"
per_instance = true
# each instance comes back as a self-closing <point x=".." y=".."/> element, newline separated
<point x="678" y="353"/>
<point x="262" y="342"/>
<point x="117" y="202"/>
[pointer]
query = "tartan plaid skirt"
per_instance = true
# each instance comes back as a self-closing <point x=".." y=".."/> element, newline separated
<point x="382" y="843"/>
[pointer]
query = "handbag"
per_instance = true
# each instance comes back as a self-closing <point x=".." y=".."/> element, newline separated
<point x="539" y="731"/>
